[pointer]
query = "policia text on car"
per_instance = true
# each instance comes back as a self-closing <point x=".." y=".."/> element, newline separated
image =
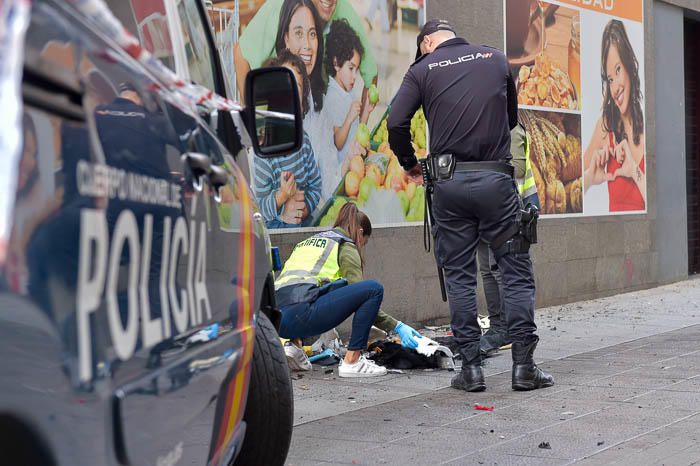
<point x="468" y="96"/>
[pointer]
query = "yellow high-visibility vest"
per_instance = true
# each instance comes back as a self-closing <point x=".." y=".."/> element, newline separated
<point x="314" y="261"/>
<point x="526" y="185"/>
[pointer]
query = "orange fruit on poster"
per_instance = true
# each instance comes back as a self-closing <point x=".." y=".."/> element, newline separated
<point x="352" y="184"/>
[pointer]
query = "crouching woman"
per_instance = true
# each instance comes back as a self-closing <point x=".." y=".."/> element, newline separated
<point x="321" y="285"/>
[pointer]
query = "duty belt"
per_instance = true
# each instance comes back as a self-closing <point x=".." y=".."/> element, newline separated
<point x="443" y="166"/>
<point x="500" y="167"/>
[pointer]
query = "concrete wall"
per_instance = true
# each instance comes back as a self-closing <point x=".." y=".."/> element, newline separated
<point x="577" y="258"/>
<point x="395" y="257"/>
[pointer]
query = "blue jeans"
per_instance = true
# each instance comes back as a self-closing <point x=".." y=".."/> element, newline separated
<point x="308" y="319"/>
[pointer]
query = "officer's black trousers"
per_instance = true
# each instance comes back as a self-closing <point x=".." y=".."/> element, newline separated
<point x="473" y="205"/>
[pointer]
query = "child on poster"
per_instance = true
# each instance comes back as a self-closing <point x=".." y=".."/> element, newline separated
<point x="344" y="53"/>
<point x="288" y="188"/>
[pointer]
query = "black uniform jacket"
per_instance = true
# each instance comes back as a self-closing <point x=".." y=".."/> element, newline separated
<point x="469" y="100"/>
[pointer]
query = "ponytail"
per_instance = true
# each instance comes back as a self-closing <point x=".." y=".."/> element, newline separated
<point x="356" y="223"/>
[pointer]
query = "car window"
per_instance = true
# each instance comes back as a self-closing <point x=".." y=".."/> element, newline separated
<point x="147" y="20"/>
<point x="197" y="49"/>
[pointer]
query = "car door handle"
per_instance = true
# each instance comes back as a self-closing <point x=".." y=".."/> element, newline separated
<point x="199" y="165"/>
<point x="218" y="177"/>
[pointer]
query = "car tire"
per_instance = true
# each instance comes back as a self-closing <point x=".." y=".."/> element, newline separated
<point x="269" y="410"/>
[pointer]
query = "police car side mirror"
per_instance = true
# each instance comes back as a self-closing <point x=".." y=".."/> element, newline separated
<point x="273" y="111"/>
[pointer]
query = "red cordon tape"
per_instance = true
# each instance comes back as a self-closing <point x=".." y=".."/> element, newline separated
<point x="483" y="408"/>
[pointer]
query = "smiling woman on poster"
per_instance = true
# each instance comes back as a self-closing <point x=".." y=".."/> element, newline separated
<point x="299" y="32"/>
<point x="257" y="42"/>
<point x="615" y="154"/>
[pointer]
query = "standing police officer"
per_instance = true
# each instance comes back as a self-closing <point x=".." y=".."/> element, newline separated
<point x="469" y="99"/>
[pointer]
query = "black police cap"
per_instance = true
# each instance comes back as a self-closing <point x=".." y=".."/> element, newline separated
<point x="433" y="25"/>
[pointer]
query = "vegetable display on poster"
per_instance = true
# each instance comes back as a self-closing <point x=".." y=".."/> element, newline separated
<point x="579" y="73"/>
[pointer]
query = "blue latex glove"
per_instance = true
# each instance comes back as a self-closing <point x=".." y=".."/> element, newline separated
<point x="407" y="333"/>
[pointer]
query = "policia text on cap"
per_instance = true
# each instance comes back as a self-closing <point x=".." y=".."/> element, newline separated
<point x="469" y="99"/>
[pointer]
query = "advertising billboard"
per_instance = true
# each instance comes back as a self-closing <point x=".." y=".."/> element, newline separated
<point x="579" y="71"/>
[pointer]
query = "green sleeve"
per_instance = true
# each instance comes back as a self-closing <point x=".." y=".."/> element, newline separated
<point x="257" y="42"/>
<point x="385" y="322"/>
<point x="368" y="67"/>
<point x="351" y="270"/>
<point x="517" y="150"/>
<point x="350" y="263"/>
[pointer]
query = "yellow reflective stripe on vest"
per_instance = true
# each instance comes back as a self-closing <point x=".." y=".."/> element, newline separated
<point x="314" y="261"/>
<point x="526" y="185"/>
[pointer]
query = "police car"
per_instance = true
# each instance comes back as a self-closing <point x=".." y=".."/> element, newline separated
<point x="137" y="311"/>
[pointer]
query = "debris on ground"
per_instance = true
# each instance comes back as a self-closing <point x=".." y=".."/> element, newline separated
<point x="325" y="354"/>
<point x="433" y="332"/>
<point x="328" y="340"/>
<point x="429" y="347"/>
<point x="545" y="446"/>
<point x="483" y="408"/>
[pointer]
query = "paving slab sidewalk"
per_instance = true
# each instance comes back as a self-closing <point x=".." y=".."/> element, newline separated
<point x="628" y="392"/>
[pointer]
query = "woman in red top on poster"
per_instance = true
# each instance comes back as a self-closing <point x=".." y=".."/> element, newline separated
<point x="615" y="153"/>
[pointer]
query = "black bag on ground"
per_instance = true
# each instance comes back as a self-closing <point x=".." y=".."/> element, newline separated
<point x="395" y="356"/>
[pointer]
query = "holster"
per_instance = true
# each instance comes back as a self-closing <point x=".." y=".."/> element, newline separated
<point x="442" y="167"/>
<point x="519" y="237"/>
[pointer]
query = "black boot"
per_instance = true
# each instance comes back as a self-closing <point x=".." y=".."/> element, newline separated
<point x="471" y="379"/>
<point x="526" y="375"/>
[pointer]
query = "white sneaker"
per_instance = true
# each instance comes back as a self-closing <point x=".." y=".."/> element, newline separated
<point x="296" y="357"/>
<point x="362" y="368"/>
